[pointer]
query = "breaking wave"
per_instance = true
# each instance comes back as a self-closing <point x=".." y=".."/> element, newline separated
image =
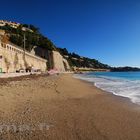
<point x="120" y="86"/>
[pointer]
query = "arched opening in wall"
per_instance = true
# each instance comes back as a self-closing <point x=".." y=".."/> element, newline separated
<point x="16" y="61"/>
<point x="7" y="62"/>
<point x="65" y="66"/>
<point x="50" y="62"/>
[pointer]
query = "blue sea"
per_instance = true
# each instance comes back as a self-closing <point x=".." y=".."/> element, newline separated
<point x="126" y="84"/>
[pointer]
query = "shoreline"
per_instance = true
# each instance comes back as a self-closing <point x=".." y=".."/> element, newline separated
<point x="109" y="92"/>
<point x="123" y="99"/>
<point x="29" y="76"/>
<point x="71" y="108"/>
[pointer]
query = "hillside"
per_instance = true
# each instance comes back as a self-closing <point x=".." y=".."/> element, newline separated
<point x="125" y="69"/>
<point x="35" y="38"/>
<point x="79" y="61"/>
<point x="32" y="34"/>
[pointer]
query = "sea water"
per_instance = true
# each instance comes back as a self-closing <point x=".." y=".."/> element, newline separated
<point x="126" y="84"/>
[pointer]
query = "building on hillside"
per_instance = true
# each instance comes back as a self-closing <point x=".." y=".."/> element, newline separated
<point x="27" y="29"/>
<point x="10" y="23"/>
<point x="13" y="25"/>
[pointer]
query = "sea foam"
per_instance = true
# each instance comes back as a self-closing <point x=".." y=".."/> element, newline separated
<point x="118" y="86"/>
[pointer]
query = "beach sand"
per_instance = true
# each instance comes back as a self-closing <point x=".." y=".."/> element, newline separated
<point x="64" y="108"/>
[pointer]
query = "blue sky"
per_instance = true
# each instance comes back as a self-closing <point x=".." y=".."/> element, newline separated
<point x="107" y="30"/>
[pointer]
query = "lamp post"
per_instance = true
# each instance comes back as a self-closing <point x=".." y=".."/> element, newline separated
<point x="24" y="44"/>
<point x="24" y="40"/>
<point x="0" y="56"/>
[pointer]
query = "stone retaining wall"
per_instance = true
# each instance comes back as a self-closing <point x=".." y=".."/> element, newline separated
<point x="13" y="58"/>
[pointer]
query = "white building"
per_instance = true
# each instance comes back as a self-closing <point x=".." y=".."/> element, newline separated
<point x="10" y="23"/>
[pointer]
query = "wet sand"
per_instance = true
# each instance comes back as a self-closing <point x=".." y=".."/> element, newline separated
<point x="64" y="108"/>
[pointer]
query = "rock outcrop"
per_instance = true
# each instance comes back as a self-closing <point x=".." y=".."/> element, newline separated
<point x="59" y="62"/>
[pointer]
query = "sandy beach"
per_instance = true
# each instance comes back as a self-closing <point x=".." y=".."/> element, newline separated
<point x="64" y="108"/>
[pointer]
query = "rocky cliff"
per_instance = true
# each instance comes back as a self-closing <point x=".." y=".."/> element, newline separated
<point x="59" y="62"/>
